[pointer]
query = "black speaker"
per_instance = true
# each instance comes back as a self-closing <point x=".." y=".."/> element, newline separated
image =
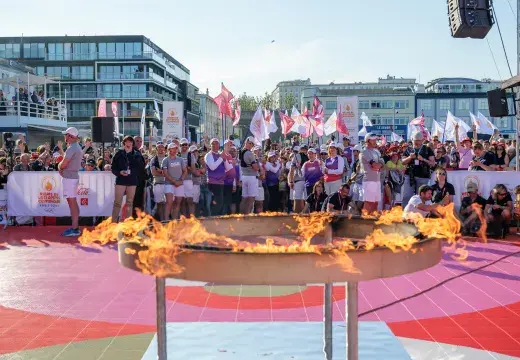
<point x="497" y="101"/>
<point x="470" y="18"/>
<point x="102" y="129"/>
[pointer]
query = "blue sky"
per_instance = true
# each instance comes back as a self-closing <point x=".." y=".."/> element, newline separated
<point x="325" y="41"/>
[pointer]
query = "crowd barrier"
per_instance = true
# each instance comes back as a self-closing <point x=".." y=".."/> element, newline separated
<point x="41" y="194"/>
<point x="485" y="180"/>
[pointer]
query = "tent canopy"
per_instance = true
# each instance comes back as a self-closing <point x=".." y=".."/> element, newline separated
<point x="26" y="80"/>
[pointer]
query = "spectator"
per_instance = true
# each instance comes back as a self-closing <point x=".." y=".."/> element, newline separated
<point x="90" y="165"/>
<point x="483" y="160"/>
<point x="4" y="172"/>
<point x="442" y="190"/>
<point x="340" y="202"/>
<point x="24" y="163"/>
<point x="272" y="176"/>
<point x="498" y="211"/>
<point x="371" y="165"/>
<point x="469" y="210"/>
<point x="419" y="161"/>
<point x="421" y="204"/>
<point x="502" y="158"/>
<point x="441" y="160"/>
<point x="511" y="153"/>
<point x="316" y="199"/>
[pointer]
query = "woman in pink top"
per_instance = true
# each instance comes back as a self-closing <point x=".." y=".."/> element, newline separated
<point x="464" y="149"/>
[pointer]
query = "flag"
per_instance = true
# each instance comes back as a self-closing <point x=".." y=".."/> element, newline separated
<point x="238" y="112"/>
<point x="484" y="126"/>
<point x="362" y="132"/>
<point x="143" y="119"/>
<point x="396" y="138"/>
<point x="299" y="122"/>
<point x="305" y="112"/>
<point x="330" y="125"/>
<point x="116" y="119"/>
<point x="316" y="125"/>
<point x="102" y="108"/>
<point x="415" y="125"/>
<point x="317" y="110"/>
<point x="157" y="113"/>
<point x="226" y="94"/>
<point x="438" y="129"/>
<point x="341" y="127"/>
<point x="418" y="121"/>
<point x="269" y="121"/>
<point x="286" y="122"/>
<point x="223" y="106"/>
<point x="257" y="126"/>
<point x="365" y="120"/>
<point x="451" y="122"/>
<point x="114" y="108"/>
<point x="273" y="127"/>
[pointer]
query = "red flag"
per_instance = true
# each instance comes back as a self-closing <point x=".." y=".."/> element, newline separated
<point x="340" y="123"/>
<point x="308" y="126"/>
<point x="267" y="116"/>
<point x="228" y="96"/>
<point x="317" y="125"/>
<point x="317" y="110"/>
<point x="114" y="108"/>
<point x="238" y="112"/>
<point x="287" y="122"/>
<point x="102" y="108"/>
<point x="305" y="112"/>
<point x="223" y="106"/>
<point x="418" y="121"/>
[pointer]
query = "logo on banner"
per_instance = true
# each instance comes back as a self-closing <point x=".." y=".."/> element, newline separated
<point x="82" y="191"/>
<point x="173" y="117"/>
<point x="48" y="197"/>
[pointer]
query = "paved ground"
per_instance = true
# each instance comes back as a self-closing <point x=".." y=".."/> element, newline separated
<point x="59" y="300"/>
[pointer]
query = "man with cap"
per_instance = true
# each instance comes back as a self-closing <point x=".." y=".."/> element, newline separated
<point x="216" y="170"/>
<point x="249" y="169"/>
<point x="174" y="171"/>
<point x="158" y="181"/>
<point x="187" y="205"/>
<point x="468" y="213"/>
<point x="69" y="170"/>
<point x="419" y="161"/>
<point x="371" y="165"/>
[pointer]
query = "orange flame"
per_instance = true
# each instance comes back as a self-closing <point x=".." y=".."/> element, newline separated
<point x="48" y="186"/>
<point x="481" y="233"/>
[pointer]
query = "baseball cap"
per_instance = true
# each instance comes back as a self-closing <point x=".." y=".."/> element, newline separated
<point x="323" y="149"/>
<point x="184" y="141"/>
<point x="466" y="139"/>
<point x="72" y="131"/>
<point x="257" y="148"/>
<point x="271" y="153"/>
<point x="370" y="136"/>
<point x="160" y="143"/>
<point x="228" y="142"/>
<point x="313" y="150"/>
<point x="172" y="146"/>
<point x="193" y="148"/>
<point x="296" y="148"/>
<point x="91" y="162"/>
<point x="250" y="139"/>
<point x="214" y="140"/>
<point x="304" y="147"/>
<point x="471" y="187"/>
<point x="357" y="148"/>
<point x="333" y="144"/>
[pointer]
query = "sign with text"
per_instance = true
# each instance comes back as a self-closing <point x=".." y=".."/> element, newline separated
<point x="387" y="130"/>
<point x="173" y="120"/>
<point x="348" y="106"/>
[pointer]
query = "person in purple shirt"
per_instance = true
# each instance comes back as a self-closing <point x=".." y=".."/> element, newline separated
<point x="229" y="179"/>
<point x="272" y="179"/>
<point x="216" y="166"/>
<point x="311" y="171"/>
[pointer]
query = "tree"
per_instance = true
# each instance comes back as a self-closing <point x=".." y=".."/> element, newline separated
<point x="289" y="101"/>
<point x="247" y="103"/>
<point x="267" y="101"/>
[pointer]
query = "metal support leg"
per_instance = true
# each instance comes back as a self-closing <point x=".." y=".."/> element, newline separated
<point x="161" y="318"/>
<point x="327" y="321"/>
<point x="352" y="321"/>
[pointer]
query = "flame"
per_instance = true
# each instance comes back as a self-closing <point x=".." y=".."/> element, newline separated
<point x="481" y="233"/>
<point x="48" y="186"/>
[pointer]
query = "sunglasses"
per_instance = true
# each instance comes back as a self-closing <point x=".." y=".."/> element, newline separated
<point x="502" y="194"/>
<point x="443" y="174"/>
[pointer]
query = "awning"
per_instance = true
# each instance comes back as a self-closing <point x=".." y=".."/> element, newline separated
<point x="27" y="79"/>
<point x="46" y="128"/>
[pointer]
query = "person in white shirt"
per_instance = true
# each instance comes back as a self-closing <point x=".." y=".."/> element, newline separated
<point x="421" y="204"/>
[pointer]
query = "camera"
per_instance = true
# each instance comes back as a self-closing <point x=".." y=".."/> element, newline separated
<point x="8" y="140"/>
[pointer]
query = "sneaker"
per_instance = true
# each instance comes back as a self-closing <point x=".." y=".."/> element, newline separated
<point x="71" y="232"/>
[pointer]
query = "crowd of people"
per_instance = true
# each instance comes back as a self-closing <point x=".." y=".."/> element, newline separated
<point x="179" y="177"/>
<point x="31" y="103"/>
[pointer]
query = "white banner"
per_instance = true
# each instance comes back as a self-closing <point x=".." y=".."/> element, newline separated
<point x="349" y="110"/>
<point x="485" y="180"/>
<point x="3" y="207"/>
<point x="40" y="194"/>
<point x="173" y="120"/>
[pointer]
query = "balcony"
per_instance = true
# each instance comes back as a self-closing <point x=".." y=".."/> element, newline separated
<point x="123" y="95"/>
<point x="125" y="76"/>
<point x="23" y="114"/>
<point x="103" y="56"/>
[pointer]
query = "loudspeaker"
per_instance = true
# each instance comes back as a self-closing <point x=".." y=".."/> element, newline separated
<point x="470" y="18"/>
<point x="102" y="129"/>
<point x="497" y="101"/>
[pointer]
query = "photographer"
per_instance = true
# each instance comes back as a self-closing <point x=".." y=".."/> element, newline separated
<point x="419" y="161"/>
<point x="4" y="172"/>
<point x="498" y="211"/>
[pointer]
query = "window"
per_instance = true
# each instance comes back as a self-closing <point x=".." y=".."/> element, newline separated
<point x="82" y="73"/>
<point x="401" y="120"/>
<point x="445" y="104"/>
<point x="109" y="90"/>
<point x="40" y="70"/>
<point x="401" y="104"/>
<point x="84" y="91"/>
<point x="482" y="104"/>
<point x="330" y="105"/>
<point x="60" y="72"/>
<point x="34" y="51"/>
<point x="425" y="105"/>
<point x="387" y="104"/>
<point x="502" y="123"/>
<point x="10" y="51"/>
<point x="120" y="50"/>
<point x="375" y="104"/>
<point x="136" y="91"/>
<point x="463" y="104"/>
<point x="363" y="104"/>
<point x="81" y="109"/>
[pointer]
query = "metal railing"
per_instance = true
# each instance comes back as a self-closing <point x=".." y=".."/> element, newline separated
<point x="34" y="110"/>
<point x="126" y="95"/>
<point x="99" y="56"/>
<point x="124" y="76"/>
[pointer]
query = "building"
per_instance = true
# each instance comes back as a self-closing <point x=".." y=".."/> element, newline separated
<point x="389" y="102"/>
<point x="460" y="96"/>
<point x="210" y="122"/>
<point x="10" y="68"/>
<point x="287" y="92"/>
<point x="129" y="69"/>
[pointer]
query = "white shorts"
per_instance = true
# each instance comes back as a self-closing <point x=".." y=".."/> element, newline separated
<point x="249" y="186"/>
<point x="196" y="193"/>
<point x="188" y="188"/>
<point x="298" y="190"/>
<point x="158" y="193"/>
<point x="332" y="187"/>
<point x="260" y="196"/>
<point x="70" y="187"/>
<point x="176" y="191"/>
<point x="372" y="191"/>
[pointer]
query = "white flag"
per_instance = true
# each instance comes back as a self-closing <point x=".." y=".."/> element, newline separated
<point x="362" y="132"/>
<point x="484" y="126"/>
<point x="143" y="119"/>
<point x="330" y="124"/>
<point x="438" y="129"/>
<point x="299" y="122"/>
<point x="272" y="123"/>
<point x="396" y="138"/>
<point x="116" y="126"/>
<point x="365" y="120"/>
<point x="449" y="133"/>
<point x="156" y="113"/>
<point x="257" y="126"/>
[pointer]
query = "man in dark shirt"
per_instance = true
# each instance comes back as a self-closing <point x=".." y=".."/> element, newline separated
<point x="498" y="210"/>
<point x="483" y="160"/>
<point x="470" y="207"/>
<point x="339" y="202"/>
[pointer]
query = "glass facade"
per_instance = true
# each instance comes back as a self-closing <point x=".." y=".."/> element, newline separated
<point x="82" y="73"/>
<point x="10" y="51"/>
<point x="34" y="51"/>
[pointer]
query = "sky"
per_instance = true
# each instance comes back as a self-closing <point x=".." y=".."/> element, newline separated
<point x="332" y="40"/>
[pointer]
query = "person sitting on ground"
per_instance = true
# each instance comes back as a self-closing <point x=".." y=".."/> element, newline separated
<point x="316" y="199"/>
<point x="443" y="191"/>
<point x="340" y="201"/>
<point x="469" y="212"/>
<point x="498" y="211"/>
<point x="421" y="204"/>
